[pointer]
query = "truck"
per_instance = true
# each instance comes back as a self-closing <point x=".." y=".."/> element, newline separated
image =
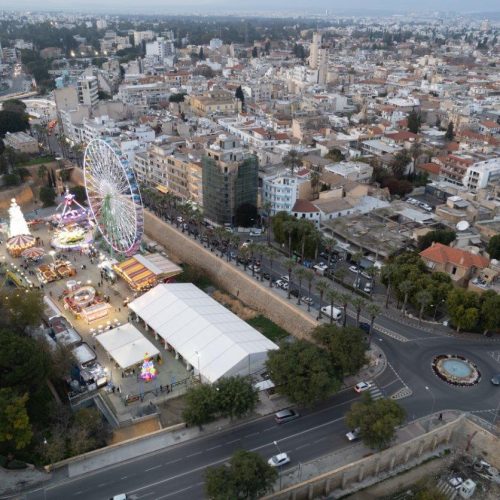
<point x="335" y="313"/>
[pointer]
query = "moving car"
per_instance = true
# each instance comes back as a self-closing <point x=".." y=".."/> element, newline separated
<point x="362" y="386"/>
<point x="354" y="434"/>
<point x="279" y="460"/>
<point x="495" y="380"/>
<point x="335" y="313"/>
<point x="284" y="416"/>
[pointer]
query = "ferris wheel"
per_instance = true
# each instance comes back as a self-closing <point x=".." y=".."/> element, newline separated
<point x="113" y="196"/>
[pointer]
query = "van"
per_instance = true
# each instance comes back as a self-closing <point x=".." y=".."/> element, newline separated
<point x="285" y="416"/>
<point x="335" y="313"/>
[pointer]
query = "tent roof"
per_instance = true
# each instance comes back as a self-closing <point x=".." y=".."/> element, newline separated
<point x="83" y="353"/>
<point x="204" y="332"/>
<point x="127" y="345"/>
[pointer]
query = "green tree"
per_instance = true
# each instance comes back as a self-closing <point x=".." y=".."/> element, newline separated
<point x="303" y="372"/>
<point x="444" y="236"/>
<point x="406" y="287"/>
<point x="359" y="303"/>
<point x="300" y="275"/>
<point x="201" y="54"/>
<point x="335" y="155"/>
<point x="463" y="308"/>
<point x="494" y="247"/>
<point x="15" y="427"/>
<point x="373" y="311"/>
<point x="490" y="311"/>
<point x="309" y="275"/>
<point x="47" y="196"/>
<point x="423" y="298"/>
<point x="12" y="121"/>
<point x="42" y="172"/>
<point x="236" y="396"/>
<point x="248" y="476"/>
<point x="292" y="160"/>
<point x="20" y="309"/>
<point x="346" y="347"/>
<point x="241" y="96"/>
<point x="201" y="405"/>
<point x="88" y="431"/>
<point x="322" y="287"/>
<point x="377" y="420"/>
<point x="255" y="52"/>
<point x="414" y="121"/>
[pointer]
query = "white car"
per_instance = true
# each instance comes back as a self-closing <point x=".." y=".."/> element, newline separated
<point x="354" y="434"/>
<point x="353" y="269"/>
<point x="279" y="460"/>
<point x="307" y="300"/>
<point x="362" y="386"/>
<point x="368" y="288"/>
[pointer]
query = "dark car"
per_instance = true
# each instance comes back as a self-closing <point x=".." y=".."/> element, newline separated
<point x="365" y="327"/>
<point x="294" y="292"/>
<point x="285" y="416"/>
<point x="495" y="380"/>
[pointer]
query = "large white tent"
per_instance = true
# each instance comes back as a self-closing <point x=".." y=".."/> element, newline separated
<point x="213" y="340"/>
<point x="127" y="345"/>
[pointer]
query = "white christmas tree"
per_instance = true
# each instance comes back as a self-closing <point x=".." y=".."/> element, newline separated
<point x="17" y="224"/>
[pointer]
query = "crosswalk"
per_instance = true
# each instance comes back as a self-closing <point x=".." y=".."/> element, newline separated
<point x="495" y="355"/>
<point x="374" y="391"/>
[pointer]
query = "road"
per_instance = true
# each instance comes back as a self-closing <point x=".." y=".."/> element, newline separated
<point x="178" y="470"/>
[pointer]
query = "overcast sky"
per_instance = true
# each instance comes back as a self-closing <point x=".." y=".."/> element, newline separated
<point x="216" y="6"/>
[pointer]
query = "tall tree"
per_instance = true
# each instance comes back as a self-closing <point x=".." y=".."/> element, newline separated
<point x="423" y="298"/>
<point x="236" y="396"/>
<point x="309" y="278"/>
<point x="292" y="160"/>
<point x="15" y="427"/>
<point x="414" y="121"/>
<point x="493" y="248"/>
<point x="358" y="304"/>
<point x="450" y="132"/>
<point x="241" y="96"/>
<point x="322" y="287"/>
<point x="373" y="311"/>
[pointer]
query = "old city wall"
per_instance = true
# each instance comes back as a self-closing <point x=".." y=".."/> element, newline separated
<point x="225" y="275"/>
<point x="23" y="195"/>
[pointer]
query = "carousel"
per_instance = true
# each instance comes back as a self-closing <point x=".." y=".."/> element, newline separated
<point x="20" y="238"/>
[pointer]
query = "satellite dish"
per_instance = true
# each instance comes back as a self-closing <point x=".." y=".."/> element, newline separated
<point x="463" y="225"/>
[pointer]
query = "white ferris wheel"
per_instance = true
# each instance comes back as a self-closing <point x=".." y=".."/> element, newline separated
<point x="113" y="196"/>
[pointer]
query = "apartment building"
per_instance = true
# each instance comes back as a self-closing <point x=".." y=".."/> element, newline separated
<point x="453" y="167"/>
<point x="218" y="102"/>
<point x="88" y="90"/>
<point x="482" y="173"/>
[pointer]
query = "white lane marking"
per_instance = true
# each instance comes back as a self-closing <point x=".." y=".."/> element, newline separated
<point x="269" y="428"/>
<point x="234" y="441"/>
<point x="174" y="493"/>
<point x="225" y="459"/>
<point x="214" y="447"/>
<point x="303" y="446"/>
<point x="153" y="468"/>
<point x="194" y="454"/>
<point x="173" y="461"/>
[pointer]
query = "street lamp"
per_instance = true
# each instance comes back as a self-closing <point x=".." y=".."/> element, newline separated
<point x="198" y="356"/>
<point x="427" y="388"/>
<point x="279" y="468"/>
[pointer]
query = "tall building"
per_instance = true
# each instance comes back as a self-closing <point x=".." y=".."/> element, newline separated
<point x="482" y="173"/>
<point x="88" y="91"/>
<point x="314" y="50"/>
<point x="229" y="180"/>
<point x="318" y="58"/>
<point x="159" y="49"/>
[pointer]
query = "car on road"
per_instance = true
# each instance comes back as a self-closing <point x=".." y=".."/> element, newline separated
<point x="266" y="276"/>
<point x="362" y="386"/>
<point x="334" y="312"/>
<point x="284" y="416"/>
<point x="279" y="460"/>
<point x="307" y="300"/>
<point x="353" y="269"/>
<point x="365" y="327"/>
<point x="295" y="293"/>
<point x="495" y="380"/>
<point x="284" y="278"/>
<point x="121" y="496"/>
<point x="368" y="287"/>
<point x="354" y="434"/>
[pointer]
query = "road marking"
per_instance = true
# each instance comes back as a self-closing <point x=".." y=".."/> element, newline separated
<point x="147" y="494"/>
<point x="495" y="355"/>
<point x="194" y="454"/>
<point x="252" y="434"/>
<point x="174" y="493"/>
<point x="234" y="441"/>
<point x="124" y="477"/>
<point x="225" y="459"/>
<point x="318" y="440"/>
<point x="78" y="492"/>
<point x="101" y="485"/>
<point x="303" y="446"/>
<point x="173" y="461"/>
<point x="269" y="428"/>
<point x="153" y="468"/>
<point x="214" y="447"/>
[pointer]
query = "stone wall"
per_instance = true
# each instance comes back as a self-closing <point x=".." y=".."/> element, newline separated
<point x="23" y="195"/>
<point x="250" y="291"/>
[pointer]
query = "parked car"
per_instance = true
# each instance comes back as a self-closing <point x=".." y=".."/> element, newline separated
<point x="335" y="313"/>
<point x="368" y="287"/>
<point x="279" y="283"/>
<point x="307" y="300"/>
<point x="295" y="293"/>
<point x="495" y="380"/>
<point x="266" y="276"/>
<point x="354" y="434"/>
<point x="362" y="386"/>
<point x="365" y="327"/>
<point x="284" y="416"/>
<point x="353" y="269"/>
<point x="279" y="460"/>
<point x="284" y="277"/>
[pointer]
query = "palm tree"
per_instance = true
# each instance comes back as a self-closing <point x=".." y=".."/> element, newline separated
<point x="356" y="258"/>
<point x="314" y="177"/>
<point x="244" y="254"/>
<point x="272" y="255"/>
<point x="358" y="304"/>
<point x="372" y="271"/>
<point x="340" y="274"/>
<point x="288" y="228"/>
<point x="405" y="288"/>
<point x="304" y="229"/>
<point x="260" y="250"/>
<point x="424" y="298"/>
<point x="266" y="207"/>
<point x="332" y="295"/>
<point x="234" y="243"/>
<point x="388" y="273"/>
<point x="292" y="160"/>
<point x="328" y="244"/>
<point x="309" y="279"/>
<point x="373" y="311"/>
<point x="300" y="274"/>
<point x="322" y="286"/>
<point x="252" y="248"/>
<point x="345" y="298"/>
<point x="290" y="265"/>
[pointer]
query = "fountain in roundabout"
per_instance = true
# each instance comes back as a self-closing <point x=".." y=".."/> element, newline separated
<point x="456" y="370"/>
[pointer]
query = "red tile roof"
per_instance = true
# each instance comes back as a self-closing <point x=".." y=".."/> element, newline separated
<point x="432" y="168"/>
<point x="304" y="206"/>
<point x="444" y="254"/>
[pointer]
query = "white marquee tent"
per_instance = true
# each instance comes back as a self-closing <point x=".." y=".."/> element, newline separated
<point x="127" y="345"/>
<point x="212" y="339"/>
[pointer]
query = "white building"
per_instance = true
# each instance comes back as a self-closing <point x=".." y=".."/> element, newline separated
<point x="482" y="173"/>
<point x="215" y="43"/>
<point x="281" y="191"/>
<point x="140" y="36"/>
<point x="352" y="170"/>
<point x="88" y="89"/>
<point x="159" y="49"/>
<point x="210" y="339"/>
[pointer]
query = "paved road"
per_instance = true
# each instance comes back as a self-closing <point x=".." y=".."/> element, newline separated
<point x="178" y="470"/>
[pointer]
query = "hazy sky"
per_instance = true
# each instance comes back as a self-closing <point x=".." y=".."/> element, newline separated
<point x="213" y="6"/>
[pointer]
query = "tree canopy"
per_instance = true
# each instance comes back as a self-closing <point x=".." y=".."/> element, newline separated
<point x="12" y="121"/>
<point x="376" y="419"/>
<point x="247" y="476"/>
<point x="303" y="372"/>
<point x="47" y="196"/>
<point x="15" y="427"/>
<point x="414" y="121"/>
<point x="494" y="247"/>
<point x="444" y="236"/>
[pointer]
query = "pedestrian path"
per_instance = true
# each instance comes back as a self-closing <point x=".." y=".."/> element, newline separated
<point x="495" y="355"/>
<point x="374" y="391"/>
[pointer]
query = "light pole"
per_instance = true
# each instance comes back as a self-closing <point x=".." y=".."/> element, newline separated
<point x="198" y="356"/>
<point x="279" y="467"/>
<point x="427" y="388"/>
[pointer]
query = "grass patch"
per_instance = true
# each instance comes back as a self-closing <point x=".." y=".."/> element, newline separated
<point x="37" y="161"/>
<point x="193" y="274"/>
<point x="269" y="329"/>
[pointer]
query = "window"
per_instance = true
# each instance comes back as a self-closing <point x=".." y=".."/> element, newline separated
<point x="454" y="270"/>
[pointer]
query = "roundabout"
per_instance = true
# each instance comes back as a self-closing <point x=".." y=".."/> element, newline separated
<point x="456" y="370"/>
